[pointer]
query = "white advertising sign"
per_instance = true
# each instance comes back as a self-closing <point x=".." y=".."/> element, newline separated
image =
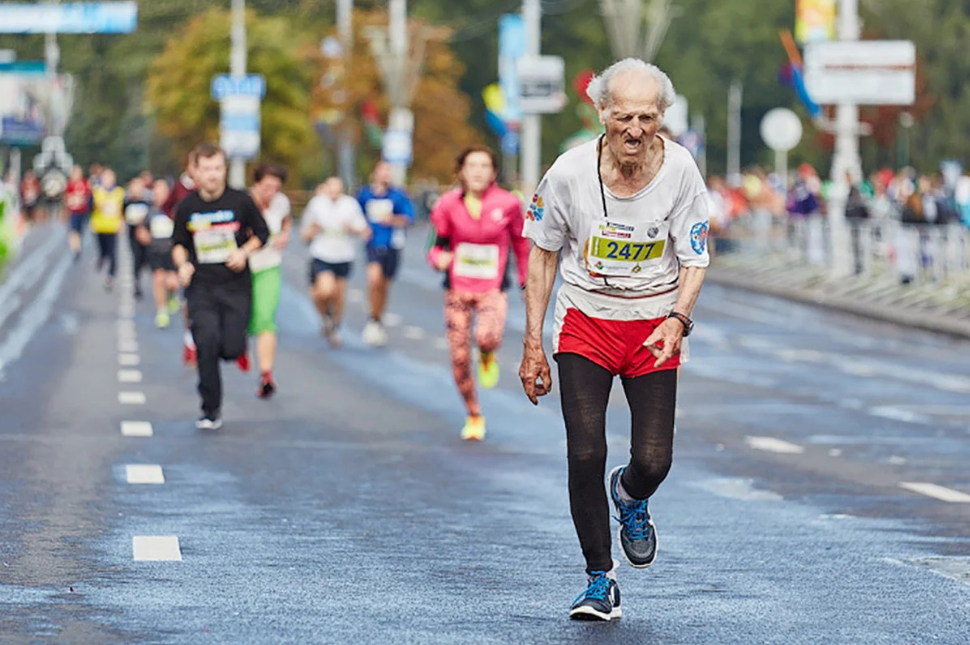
<point x="867" y="72"/>
<point x="542" y="84"/>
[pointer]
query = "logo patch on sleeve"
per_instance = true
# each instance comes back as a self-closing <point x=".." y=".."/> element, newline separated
<point x="698" y="237"/>
<point x="536" y="209"/>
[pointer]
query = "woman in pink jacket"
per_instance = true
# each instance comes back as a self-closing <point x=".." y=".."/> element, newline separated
<point x="474" y="227"/>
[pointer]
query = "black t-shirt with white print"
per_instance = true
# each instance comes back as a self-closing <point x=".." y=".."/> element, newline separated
<point x="210" y="231"/>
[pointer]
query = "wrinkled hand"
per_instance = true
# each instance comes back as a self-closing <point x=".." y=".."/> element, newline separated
<point x="186" y="271"/>
<point x="534" y="372"/>
<point x="664" y="342"/>
<point x="237" y="260"/>
<point x="443" y="261"/>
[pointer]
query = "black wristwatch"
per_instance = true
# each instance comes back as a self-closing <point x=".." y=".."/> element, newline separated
<point x="684" y="320"/>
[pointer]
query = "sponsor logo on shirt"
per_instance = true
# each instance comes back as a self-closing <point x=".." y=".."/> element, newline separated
<point x="536" y="209"/>
<point x="200" y="221"/>
<point x="698" y="237"/>
<point x="497" y="215"/>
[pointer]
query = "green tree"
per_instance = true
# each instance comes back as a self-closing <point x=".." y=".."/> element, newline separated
<point x="179" y="80"/>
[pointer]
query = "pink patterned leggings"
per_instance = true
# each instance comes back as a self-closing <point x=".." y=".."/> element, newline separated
<point x="490" y="309"/>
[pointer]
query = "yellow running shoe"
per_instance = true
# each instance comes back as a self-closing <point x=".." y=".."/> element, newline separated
<point x="488" y="370"/>
<point x="474" y="429"/>
<point x="161" y="319"/>
<point x="174" y="305"/>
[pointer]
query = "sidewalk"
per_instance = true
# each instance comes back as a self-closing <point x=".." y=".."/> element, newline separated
<point x="937" y="308"/>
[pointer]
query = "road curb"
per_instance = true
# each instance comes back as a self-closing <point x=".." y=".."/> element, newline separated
<point x="920" y="319"/>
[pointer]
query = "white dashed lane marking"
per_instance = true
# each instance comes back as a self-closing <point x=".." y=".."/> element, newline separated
<point x="441" y="343"/>
<point x="770" y="444"/>
<point x="414" y="333"/>
<point x="131" y="398"/>
<point x="129" y="360"/>
<point x="137" y="429"/>
<point x="937" y="492"/>
<point x="129" y="376"/>
<point x="156" y="548"/>
<point x="127" y="346"/>
<point x="144" y="474"/>
<point x="393" y="320"/>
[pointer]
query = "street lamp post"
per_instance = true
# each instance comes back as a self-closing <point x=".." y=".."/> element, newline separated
<point x="237" y="69"/>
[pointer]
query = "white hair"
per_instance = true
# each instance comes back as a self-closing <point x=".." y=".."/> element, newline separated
<point x="602" y="96"/>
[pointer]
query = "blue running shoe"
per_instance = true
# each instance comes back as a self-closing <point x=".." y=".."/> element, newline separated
<point x="600" y="601"/>
<point x="637" y="535"/>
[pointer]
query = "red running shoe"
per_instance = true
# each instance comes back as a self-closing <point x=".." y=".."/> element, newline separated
<point x="243" y="362"/>
<point x="189" y="355"/>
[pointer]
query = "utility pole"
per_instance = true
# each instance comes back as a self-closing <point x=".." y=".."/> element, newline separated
<point x="345" y="148"/>
<point x="237" y="69"/>
<point x="846" y="157"/>
<point x="735" y="101"/>
<point x="532" y="123"/>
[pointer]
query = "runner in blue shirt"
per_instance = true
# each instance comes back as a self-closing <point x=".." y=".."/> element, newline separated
<point x="390" y="212"/>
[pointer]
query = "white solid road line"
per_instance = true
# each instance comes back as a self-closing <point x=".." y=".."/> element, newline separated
<point x="128" y="360"/>
<point x="131" y="398"/>
<point x="770" y="444"/>
<point x="941" y="493"/>
<point x="129" y="376"/>
<point x="144" y="474"/>
<point x="156" y="548"/>
<point x="137" y="429"/>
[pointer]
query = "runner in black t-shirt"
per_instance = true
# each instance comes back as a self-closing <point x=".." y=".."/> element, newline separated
<point x="216" y="230"/>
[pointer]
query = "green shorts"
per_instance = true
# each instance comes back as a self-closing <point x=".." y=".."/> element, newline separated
<point x="266" y="300"/>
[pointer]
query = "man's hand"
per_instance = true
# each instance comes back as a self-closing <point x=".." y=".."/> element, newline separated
<point x="534" y="372"/>
<point x="186" y="271"/>
<point x="664" y="342"/>
<point x="143" y="236"/>
<point x="237" y="260"/>
<point x="312" y="231"/>
<point x="443" y="261"/>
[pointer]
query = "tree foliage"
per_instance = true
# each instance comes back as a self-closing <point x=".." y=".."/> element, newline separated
<point x="441" y="111"/>
<point x="179" y="79"/>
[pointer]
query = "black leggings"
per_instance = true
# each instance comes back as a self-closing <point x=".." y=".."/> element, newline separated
<point x="108" y="252"/>
<point x="585" y="388"/>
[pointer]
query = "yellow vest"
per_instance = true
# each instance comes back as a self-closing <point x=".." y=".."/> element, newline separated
<point x="109" y="210"/>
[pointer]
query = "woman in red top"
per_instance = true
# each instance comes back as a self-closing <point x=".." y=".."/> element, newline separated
<point x="475" y="226"/>
<point x="77" y="199"/>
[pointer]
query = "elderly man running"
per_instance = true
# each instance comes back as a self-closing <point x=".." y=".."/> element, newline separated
<point x="629" y="214"/>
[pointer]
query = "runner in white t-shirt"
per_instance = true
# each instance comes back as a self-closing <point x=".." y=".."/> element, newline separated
<point x="628" y="213"/>
<point x="266" y="267"/>
<point x="331" y="222"/>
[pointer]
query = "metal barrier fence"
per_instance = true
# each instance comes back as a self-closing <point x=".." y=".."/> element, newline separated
<point x="918" y="254"/>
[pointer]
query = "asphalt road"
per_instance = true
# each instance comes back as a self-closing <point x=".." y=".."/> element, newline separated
<point x="819" y="494"/>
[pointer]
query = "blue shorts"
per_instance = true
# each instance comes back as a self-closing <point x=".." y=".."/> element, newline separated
<point x="386" y="257"/>
<point x="78" y="221"/>
<point x="340" y="270"/>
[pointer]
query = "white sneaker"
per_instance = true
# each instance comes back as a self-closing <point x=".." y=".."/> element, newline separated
<point x="334" y="338"/>
<point x="374" y="334"/>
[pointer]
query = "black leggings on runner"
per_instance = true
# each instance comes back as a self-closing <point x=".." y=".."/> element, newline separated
<point x="585" y="388"/>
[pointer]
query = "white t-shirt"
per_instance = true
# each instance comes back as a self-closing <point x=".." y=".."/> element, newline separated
<point x="334" y="244"/>
<point x="670" y="215"/>
<point x="269" y="256"/>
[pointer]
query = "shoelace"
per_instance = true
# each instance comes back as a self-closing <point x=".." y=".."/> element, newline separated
<point x="635" y="517"/>
<point x="598" y="589"/>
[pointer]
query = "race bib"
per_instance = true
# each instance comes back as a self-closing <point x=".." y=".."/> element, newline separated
<point x="623" y="250"/>
<point x="135" y="214"/>
<point x="380" y="211"/>
<point x="477" y="261"/>
<point x="214" y="245"/>
<point x="162" y="227"/>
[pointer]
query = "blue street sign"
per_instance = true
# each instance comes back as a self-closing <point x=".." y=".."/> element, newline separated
<point x="224" y="85"/>
<point x="68" y="18"/>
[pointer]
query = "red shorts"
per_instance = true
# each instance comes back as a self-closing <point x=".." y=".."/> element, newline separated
<point x="615" y="345"/>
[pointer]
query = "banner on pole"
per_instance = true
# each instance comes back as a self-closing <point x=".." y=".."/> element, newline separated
<point x="815" y="20"/>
